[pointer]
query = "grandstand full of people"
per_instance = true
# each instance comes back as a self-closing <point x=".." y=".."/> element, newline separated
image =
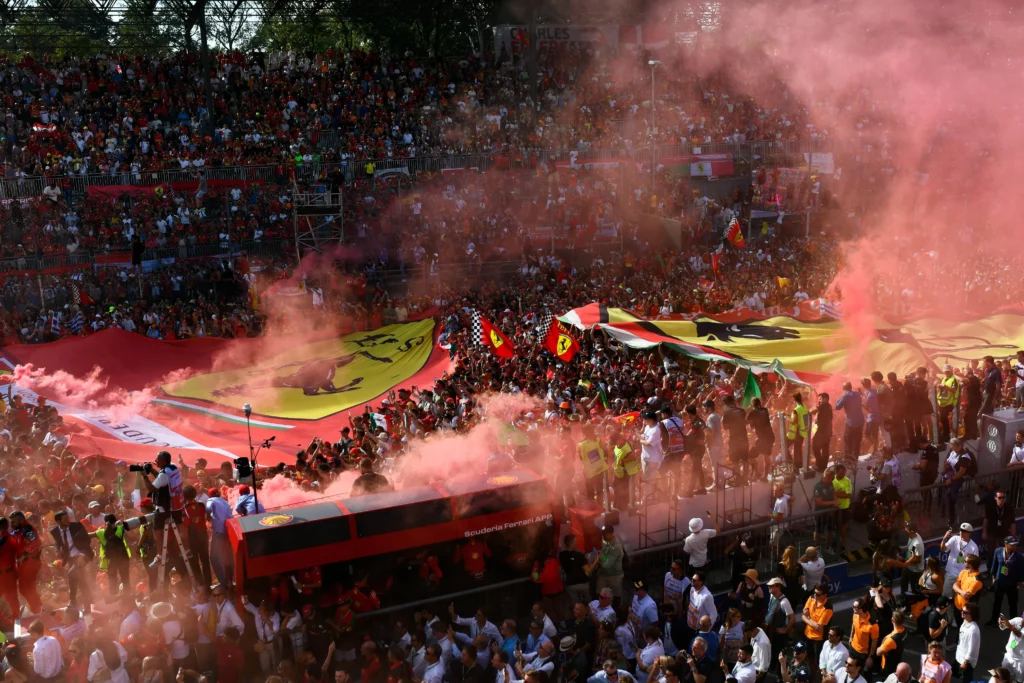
<point x="451" y="188"/>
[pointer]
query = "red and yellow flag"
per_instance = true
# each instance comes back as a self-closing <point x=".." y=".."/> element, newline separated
<point x="486" y="333"/>
<point x="560" y="343"/>
<point x="735" y="234"/>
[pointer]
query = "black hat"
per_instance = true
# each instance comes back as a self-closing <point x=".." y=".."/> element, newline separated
<point x="640" y="585"/>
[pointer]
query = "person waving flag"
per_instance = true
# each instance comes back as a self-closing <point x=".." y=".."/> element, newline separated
<point x="487" y="334"/>
<point x="735" y="234"/>
<point x="555" y="338"/>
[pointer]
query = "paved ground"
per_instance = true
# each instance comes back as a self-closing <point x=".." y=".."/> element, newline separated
<point x="993" y="640"/>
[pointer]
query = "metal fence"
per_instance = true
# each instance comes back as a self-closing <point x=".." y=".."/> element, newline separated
<point x="514" y="597"/>
<point x="31" y="187"/>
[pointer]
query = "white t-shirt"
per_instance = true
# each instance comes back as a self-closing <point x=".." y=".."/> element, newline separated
<point x="813" y="571"/>
<point x="782" y="508"/>
<point x="696" y="546"/>
<point x="1017" y="455"/>
<point x="958" y="550"/>
<point x="174" y="636"/>
<point x="915" y="546"/>
<point x="650" y="447"/>
<point x="1018" y="370"/>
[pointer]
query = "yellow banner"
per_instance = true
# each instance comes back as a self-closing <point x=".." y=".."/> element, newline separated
<point x="829" y="347"/>
<point x="321" y="378"/>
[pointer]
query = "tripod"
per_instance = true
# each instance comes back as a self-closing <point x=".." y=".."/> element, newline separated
<point x="170" y="525"/>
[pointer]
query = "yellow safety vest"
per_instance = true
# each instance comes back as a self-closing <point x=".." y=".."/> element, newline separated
<point x="101" y="537"/>
<point x="626" y="461"/>
<point x="949" y="391"/>
<point x="593" y="458"/>
<point x="801" y="421"/>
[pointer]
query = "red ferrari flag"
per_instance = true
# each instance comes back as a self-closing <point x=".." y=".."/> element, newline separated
<point x="559" y="342"/>
<point x="735" y="234"/>
<point x="485" y="333"/>
<point x="628" y="418"/>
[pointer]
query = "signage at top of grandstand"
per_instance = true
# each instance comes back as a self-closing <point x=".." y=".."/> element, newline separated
<point x="515" y="39"/>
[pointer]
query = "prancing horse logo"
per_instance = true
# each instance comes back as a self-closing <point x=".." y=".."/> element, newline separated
<point x="725" y="332"/>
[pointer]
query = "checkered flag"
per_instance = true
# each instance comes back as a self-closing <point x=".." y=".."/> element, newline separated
<point x="486" y="333"/>
<point x="544" y="326"/>
<point x="76" y="293"/>
<point x="478" y="328"/>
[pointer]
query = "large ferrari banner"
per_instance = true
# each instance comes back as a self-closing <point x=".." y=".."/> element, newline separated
<point x="125" y="396"/>
<point x="318" y="379"/>
<point x="815" y="343"/>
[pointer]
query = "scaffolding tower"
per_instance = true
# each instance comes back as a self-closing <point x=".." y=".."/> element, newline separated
<point x="317" y="215"/>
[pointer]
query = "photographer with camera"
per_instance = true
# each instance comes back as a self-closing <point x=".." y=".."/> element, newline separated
<point x="168" y="492"/>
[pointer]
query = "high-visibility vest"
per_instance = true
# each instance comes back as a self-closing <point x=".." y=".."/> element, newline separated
<point x="949" y="391"/>
<point x="801" y="422"/>
<point x="593" y="458"/>
<point x="627" y="461"/>
<point x="101" y="536"/>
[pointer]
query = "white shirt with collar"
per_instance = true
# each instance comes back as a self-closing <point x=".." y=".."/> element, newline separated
<point x="762" y="657"/>
<point x="744" y="673"/>
<point x="417" y="662"/>
<point x="843" y="677"/>
<point x="549" y="628"/>
<point x="833" y="659"/>
<point x="228" y="616"/>
<point x="47" y="657"/>
<point x="266" y="629"/>
<point x="534" y="662"/>
<point x="434" y="673"/>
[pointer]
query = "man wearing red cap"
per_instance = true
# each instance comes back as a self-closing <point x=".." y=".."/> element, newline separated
<point x="247" y="504"/>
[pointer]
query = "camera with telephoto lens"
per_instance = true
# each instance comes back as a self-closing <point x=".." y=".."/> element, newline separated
<point x="133" y="523"/>
<point x="147" y="468"/>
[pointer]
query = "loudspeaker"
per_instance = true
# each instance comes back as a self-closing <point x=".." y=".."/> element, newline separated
<point x="998" y="432"/>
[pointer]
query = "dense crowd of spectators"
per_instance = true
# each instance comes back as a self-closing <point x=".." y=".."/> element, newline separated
<point x="131" y="114"/>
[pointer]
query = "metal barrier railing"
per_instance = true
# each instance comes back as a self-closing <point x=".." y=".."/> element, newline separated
<point x="28" y="187"/>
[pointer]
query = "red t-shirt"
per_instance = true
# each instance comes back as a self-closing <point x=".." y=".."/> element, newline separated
<point x="474" y="557"/>
<point x="308" y="576"/>
<point x="230" y="663"/>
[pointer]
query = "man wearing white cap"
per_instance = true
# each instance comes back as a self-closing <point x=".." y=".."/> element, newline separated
<point x="696" y="544"/>
<point x="94" y="520"/>
<point x="958" y="547"/>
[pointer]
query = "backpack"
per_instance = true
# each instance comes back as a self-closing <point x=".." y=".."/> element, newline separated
<point x="972" y="463"/>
